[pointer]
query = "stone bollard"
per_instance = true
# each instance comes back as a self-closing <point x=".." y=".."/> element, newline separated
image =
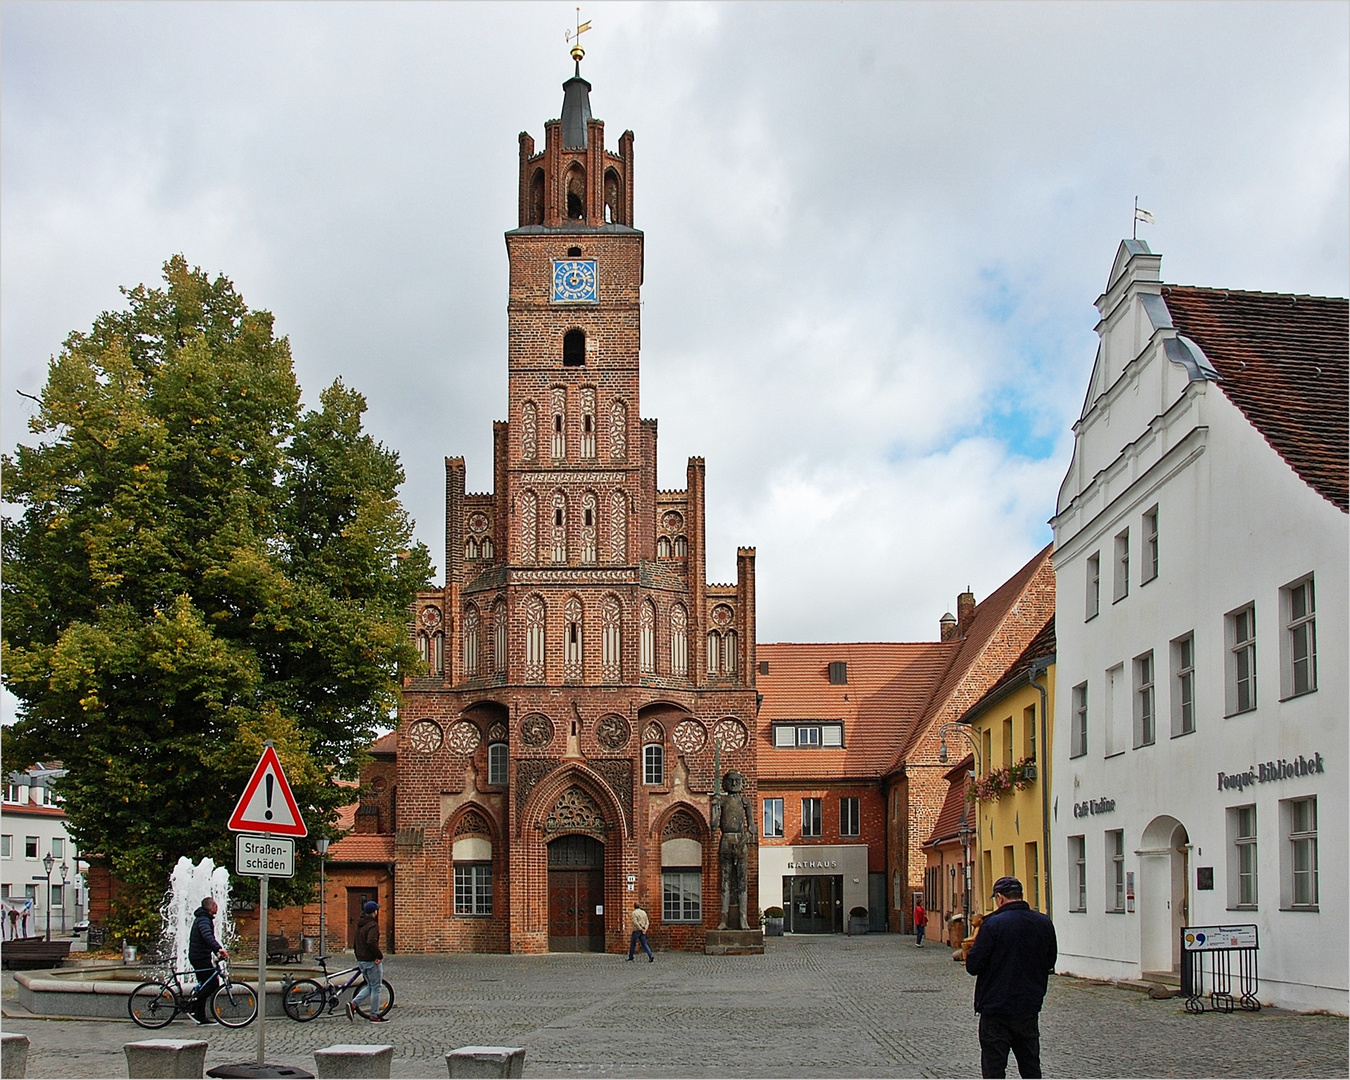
<point x="174" y="1058"/>
<point x="486" y="1061"/>
<point x="13" y="1054"/>
<point x="354" y="1059"/>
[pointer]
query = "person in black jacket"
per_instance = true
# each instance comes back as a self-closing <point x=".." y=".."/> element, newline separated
<point x="1012" y="958"/>
<point x="202" y="944"/>
<point x="370" y="959"/>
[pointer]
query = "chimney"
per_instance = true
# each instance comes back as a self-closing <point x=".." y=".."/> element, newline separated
<point x="965" y="611"/>
<point x="947" y="627"/>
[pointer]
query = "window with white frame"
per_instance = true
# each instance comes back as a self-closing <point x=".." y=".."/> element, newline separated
<point x="1240" y="689"/>
<point x="58" y="847"/>
<point x="1122" y="567"/>
<point x="773" y="817"/>
<point x="1078" y="873"/>
<point x="682" y="895"/>
<point x="850" y="816"/>
<point x="1149" y="570"/>
<point x="811" y="817"/>
<point x="1115" y="869"/>
<point x="13" y="793"/>
<point x="498" y="756"/>
<point x="654" y="764"/>
<point x="1145" y="715"/>
<point x="1298" y="643"/>
<point x="1094" y="586"/>
<point x="1183" y="685"/>
<point x="1078" y="733"/>
<point x="473" y="888"/>
<point x="808" y="735"/>
<point x="1300" y="855"/>
<point x="6" y="846"/>
<point x="30" y="847"/>
<point x="1241" y="856"/>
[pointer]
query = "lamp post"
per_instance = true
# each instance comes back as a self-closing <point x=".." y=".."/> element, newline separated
<point x="321" y="846"/>
<point x="47" y="861"/>
<point x="65" y="876"/>
<point x="965" y="830"/>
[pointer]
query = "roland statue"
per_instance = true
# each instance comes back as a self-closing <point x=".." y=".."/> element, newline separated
<point x="732" y="814"/>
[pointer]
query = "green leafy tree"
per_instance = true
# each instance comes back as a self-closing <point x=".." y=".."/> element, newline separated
<point x="199" y="566"/>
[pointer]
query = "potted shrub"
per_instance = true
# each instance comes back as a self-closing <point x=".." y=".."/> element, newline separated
<point x="857" y="921"/>
<point x="773" y="921"/>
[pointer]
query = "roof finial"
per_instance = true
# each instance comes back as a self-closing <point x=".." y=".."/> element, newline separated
<point x="575" y="36"/>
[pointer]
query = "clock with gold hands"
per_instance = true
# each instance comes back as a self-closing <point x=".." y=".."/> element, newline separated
<point x="574" y="282"/>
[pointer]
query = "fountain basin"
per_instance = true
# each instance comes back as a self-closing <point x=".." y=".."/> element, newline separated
<point x="103" y="991"/>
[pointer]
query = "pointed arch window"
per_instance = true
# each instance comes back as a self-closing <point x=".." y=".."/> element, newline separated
<point x="537" y="197"/>
<point x="485" y="549"/>
<point x="648" y="636"/>
<point x="559" y="527"/>
<point x="590" y="514"/>
<point x="729" y="655"/>
<point x="534" y="639"/>
<point x="663" y="547"/>
<point x="613" y="196"/>
<point x="574" y="188"/>
<point x="471" y="548"/>
<point x="679" y="640"/>
<point x="681" y="547"/>
<point x="572" y="644"/>
<point x="499" y="636"/>
<point x="611" y="620"/>
<point x="472" y="631"/>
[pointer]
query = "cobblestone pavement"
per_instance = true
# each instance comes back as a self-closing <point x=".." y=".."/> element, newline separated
<point x="811" y="1006"/>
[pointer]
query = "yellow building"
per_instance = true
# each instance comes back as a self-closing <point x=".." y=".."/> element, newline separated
<point x="1011" y="727"/>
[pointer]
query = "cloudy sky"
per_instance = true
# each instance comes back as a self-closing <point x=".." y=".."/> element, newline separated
<point x="874" y="232"/>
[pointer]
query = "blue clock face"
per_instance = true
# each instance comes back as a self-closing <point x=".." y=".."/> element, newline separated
<point x="574" y="281"/>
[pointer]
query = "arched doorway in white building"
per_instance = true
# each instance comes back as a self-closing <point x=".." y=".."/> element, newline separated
<point x="1164" y="900"/>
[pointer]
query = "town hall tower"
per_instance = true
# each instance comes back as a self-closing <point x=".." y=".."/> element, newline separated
<point x="582" y="684"/>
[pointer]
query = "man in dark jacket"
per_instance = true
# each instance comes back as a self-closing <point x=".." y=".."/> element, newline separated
<point x="370" y="959"/>
<point x="202" y="944"/>
<point x="1012" y="958"/>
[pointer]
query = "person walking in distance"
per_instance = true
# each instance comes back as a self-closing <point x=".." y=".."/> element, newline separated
<point x="202" y="945"/>
<point x="639" y="935"/>
<point x="1012" y="958"/>
<point x="920" y="923"/>
<point x="370" y="959"/>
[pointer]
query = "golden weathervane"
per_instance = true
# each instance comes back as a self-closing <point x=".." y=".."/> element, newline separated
<point x="575" y="36"/>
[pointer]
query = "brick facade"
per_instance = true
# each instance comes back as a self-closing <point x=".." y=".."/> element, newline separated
<point x="575" y="624"/>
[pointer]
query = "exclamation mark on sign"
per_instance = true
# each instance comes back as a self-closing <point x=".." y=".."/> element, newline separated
<point x="268" y="780"/>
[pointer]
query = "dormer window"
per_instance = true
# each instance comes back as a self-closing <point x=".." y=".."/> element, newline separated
<point x="838" y="673"/>
<point x="808" y="734"/>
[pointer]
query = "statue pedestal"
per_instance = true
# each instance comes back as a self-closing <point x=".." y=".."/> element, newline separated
<point x="734" y="942"/>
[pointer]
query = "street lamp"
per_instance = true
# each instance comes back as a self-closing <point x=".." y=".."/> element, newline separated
<point x="321" y="846"/>
<point x="47" y="861"/>
<point x="65" y="876"/>
<point x="965" y="830"/>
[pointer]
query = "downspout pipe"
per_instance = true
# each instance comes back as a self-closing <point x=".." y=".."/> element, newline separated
<point x="1036" y="670"/>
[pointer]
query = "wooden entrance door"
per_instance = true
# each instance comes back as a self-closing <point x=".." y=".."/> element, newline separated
<point x="576" y="895"/>
<point x="356" y="898"/>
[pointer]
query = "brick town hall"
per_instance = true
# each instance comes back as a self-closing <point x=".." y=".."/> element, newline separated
<point x="557" y="762"/>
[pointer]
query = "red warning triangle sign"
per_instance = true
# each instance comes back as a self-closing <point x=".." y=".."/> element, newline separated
<point x="267" y="805"/>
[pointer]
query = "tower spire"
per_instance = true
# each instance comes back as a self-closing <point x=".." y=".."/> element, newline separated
<point x="576" y="93"/>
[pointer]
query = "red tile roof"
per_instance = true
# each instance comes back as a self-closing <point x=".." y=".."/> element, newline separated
<point x="385" y="744"/>
<point x="1042" y="646"/>
<point x="955" y="808"/>
<point x="888" y="687"/>
<point x="363" y="848"/>
<point x="1004" y="624"/>
<point x="32" y="810"/>
<point x="1283" y="359"/>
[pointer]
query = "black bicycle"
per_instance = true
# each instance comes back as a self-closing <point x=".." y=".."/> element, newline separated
<point x="304" y="999"/>
<point x="155" y="1004"/>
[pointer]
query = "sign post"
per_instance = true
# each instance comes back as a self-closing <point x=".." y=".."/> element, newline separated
<point x="269" y="818"/>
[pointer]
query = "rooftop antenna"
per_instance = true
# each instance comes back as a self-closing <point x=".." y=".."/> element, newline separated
<point x="1139" y="215"/>
<point x="574" y="36"/>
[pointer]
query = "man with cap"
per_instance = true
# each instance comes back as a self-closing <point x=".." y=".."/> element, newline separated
<point x="369" y="958"/>
<point x="1012" y="958"/>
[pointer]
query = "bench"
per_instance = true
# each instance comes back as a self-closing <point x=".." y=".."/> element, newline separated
<point x="25" y="954"/>
<point x="281" y="951"/>
<point x="354" y="1059"/>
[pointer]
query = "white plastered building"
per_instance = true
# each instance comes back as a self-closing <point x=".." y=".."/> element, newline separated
<point x="1201" y="548"/>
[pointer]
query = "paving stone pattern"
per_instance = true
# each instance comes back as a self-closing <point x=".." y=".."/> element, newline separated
<point x="825" y="1006"/>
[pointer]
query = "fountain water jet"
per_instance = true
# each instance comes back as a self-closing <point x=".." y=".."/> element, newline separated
<point x="189" y="884"/>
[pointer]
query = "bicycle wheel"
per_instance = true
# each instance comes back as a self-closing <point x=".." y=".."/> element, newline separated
<point x="152" y="1005"/>
<point x="303" y="1000"/>
<point x="386" y="1001"/>
<point x="234" y="1004"/>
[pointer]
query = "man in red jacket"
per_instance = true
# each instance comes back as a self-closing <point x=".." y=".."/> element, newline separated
<point x="1012" y="958"/>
